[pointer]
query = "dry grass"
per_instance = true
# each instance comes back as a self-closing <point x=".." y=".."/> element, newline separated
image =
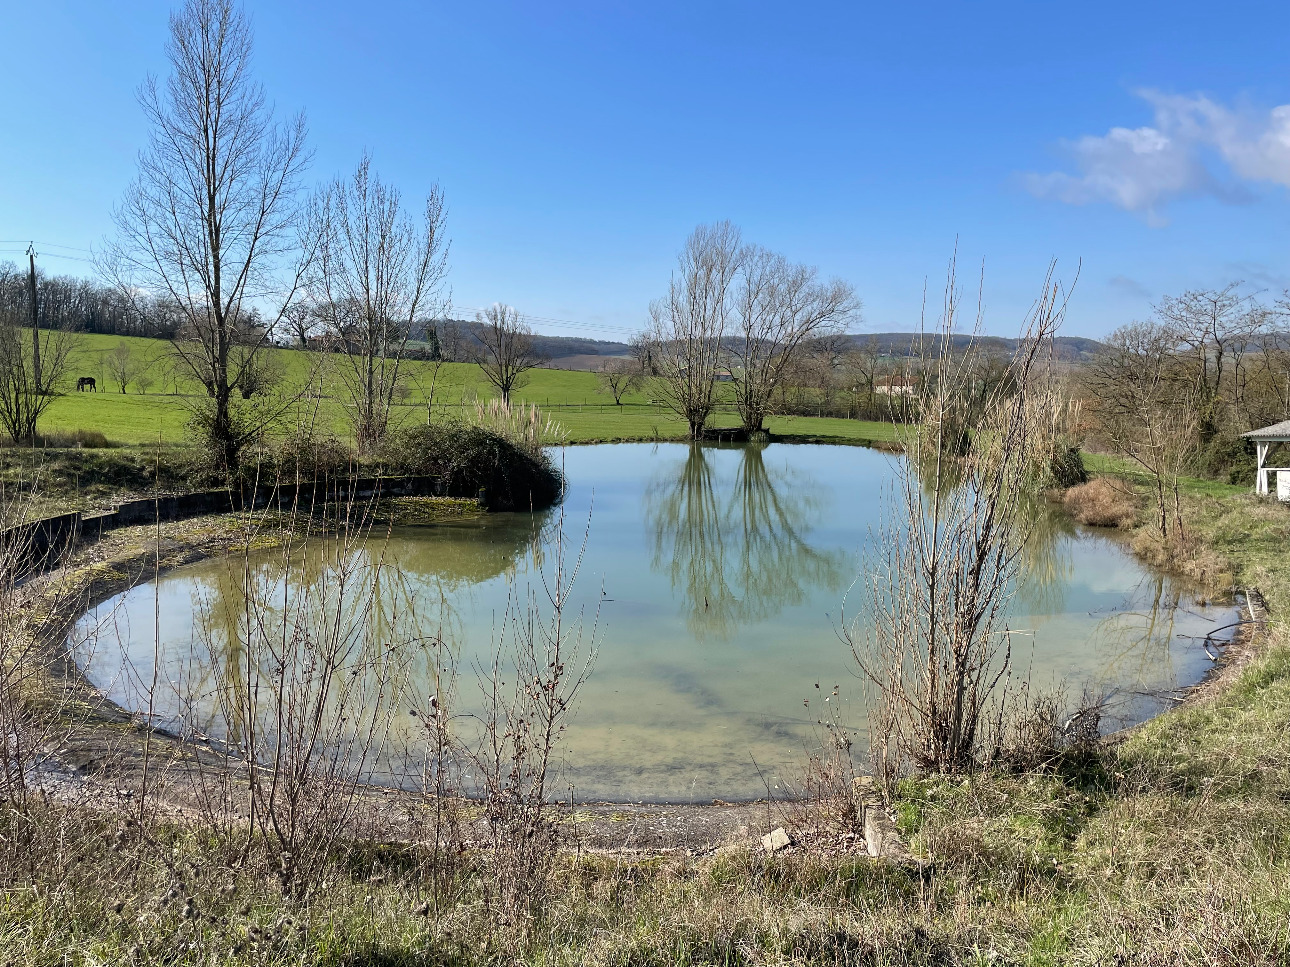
<point x="1102" y="502"/>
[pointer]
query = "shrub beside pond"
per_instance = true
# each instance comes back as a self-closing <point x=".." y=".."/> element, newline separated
<point x="470" y="458"/>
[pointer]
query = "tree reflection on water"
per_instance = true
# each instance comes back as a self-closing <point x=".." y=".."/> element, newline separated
<point x="407" y="586"/>
<point x="738" y="551"/>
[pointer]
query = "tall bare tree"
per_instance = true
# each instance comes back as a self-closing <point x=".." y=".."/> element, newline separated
<point x="122" y="365"/>
<point x="1146" y="397"/>
<point x="779" y="307"/>
<point x="377" y="269"/>
<point x="641" y="349"/>
<point x="505" y="350"/>
<point x="208" y="223"/>
<point x="862" y="363"/>
<point x="1212" y="330"/>
<point x="262" y="371"/>
<point x="302" y="322"/>
<point x="947" y="563"/>
<point x="688" y="324"/>
<point x="1266" y="396"/>
<point x="25" y="392"/>
<point x="36" y="345"/>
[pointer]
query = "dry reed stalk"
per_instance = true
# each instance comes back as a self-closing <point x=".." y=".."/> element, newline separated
<point x="1101" y="503"/>
<point x="305" y="652"/>
<point x="521" y="425"/>
<point x="949" y="557"/>
<point x="547" y="659"/>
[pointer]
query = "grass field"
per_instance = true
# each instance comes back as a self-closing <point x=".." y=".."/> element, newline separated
<point x="1191" y="486"/>
<point x="570" y="398"/>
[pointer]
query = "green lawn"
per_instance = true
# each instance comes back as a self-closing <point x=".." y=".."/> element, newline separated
<point x="569" y="398"/>
<point x="1124" y="467"/>
<point x="453" y="382"/>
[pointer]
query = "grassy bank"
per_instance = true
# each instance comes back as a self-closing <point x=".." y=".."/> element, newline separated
<point x="1169" y="847"/>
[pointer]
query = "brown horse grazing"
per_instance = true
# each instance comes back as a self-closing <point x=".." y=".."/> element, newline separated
<point x="87" y="383"/>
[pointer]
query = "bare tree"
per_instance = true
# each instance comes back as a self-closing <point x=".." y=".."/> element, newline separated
<point x="947" y="564"/>
<point x="147" y="375"/>
<point x="426" y="381"/>
<point x="506" y="351"/>
<point x="1145" y="397"/>
<point x="121" y="365"/>
<point x="779" y="307"/>
<point x="1212" y="331"/>
<point x="618" y="377"/>
<point x="302" y="322"/>
<point x="376" y="270"/>
<point x="208" y="223"/>
<point x="688" y="324"/>
<point x="32" y="361"/>
<point x="641" y="349"/>
<point x="863" y="362"/>
<point x="262" y="371"/>
<point x="450" y="341"/>
<point x="1266" y="396"/>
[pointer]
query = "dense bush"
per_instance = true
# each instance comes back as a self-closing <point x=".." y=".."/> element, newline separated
<point x="1228" y="457"/>
<point x="1101" y="503"/>
<point x="306" y="455"/>
<point x="1067" y="466"/>
<point x="470" y="458"/>
<point x="219" y="450"/>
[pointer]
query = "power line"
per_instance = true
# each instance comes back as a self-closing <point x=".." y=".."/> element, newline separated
<point x="70" y="258"/>
<point x="46" y="255"/>
<point x="70" y="248"/>
<point x="27" y="241"/>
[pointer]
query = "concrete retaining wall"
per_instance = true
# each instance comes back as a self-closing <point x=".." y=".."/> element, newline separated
<point x="39" y="544"/>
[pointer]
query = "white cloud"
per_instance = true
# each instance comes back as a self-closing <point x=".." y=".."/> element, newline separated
<point x="1195" y="146"/>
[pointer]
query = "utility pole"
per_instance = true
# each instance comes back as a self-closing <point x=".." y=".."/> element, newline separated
<point x="35" y="318"/>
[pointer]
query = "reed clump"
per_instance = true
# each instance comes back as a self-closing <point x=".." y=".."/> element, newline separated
<point x="1102" y="502"/>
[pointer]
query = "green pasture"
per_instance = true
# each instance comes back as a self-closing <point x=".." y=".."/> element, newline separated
<point x="158" y="409"/>
<point x="1124" y="467"/>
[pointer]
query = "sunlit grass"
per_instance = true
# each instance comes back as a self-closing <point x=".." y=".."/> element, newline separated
<point x="1124" y="467"/>
<point x="570" y="398"/>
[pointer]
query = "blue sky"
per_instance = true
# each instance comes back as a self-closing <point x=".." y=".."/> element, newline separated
<point x="578" y="143"/>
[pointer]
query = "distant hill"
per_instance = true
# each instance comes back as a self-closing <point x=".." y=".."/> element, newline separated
<point x="564" y="352"/>
<point x="577" y="352"/>
<point x="900" y="344"/>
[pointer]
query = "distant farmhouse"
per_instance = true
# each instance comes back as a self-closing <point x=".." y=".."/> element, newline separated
<point x="898" y="385"/>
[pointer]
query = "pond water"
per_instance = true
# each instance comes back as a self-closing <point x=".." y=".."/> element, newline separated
<point x="718" y="575"/>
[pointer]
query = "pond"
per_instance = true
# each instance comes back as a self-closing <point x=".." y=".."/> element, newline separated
<point x="718" y="575"/>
